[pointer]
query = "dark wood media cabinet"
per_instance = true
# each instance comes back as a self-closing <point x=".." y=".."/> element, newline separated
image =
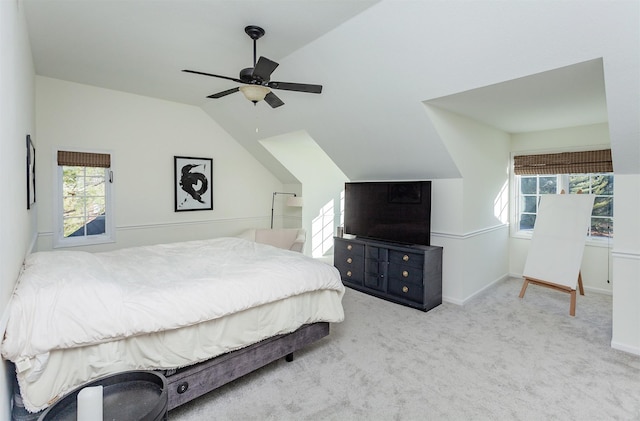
<point x="405" y="274"/>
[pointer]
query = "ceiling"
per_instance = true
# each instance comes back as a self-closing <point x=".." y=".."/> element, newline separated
<point x="378" y="61"/>
<point x="566" y="97"/>
<point x="141" y="46"/>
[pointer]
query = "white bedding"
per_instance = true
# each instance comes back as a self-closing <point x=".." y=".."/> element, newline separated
<point x="70" y="299"/>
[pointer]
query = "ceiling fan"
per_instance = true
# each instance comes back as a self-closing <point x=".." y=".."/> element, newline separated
<point x="257" y="83"/>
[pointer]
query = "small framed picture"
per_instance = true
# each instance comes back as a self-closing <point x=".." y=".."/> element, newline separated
<point x="31" y="173"/>
<point x="193" y="188"/>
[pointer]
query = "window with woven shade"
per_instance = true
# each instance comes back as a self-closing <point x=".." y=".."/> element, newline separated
<point x="584" y="162"/>
<point x="585" y="172"/>
<point x="84" y="159"/>
<point x="83" y="187"/>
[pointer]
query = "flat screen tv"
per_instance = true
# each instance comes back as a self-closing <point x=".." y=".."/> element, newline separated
<point x="397" y="211"/>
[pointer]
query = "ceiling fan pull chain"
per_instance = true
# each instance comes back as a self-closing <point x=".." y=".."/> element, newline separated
<point x="257" y="120"/>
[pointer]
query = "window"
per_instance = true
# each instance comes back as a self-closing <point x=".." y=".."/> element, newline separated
<point x="532" y="187"/>
<point x="588" y="172"/>
<point x="84" y="199"/>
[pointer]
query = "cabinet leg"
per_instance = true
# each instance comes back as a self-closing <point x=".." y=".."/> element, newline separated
<point x="289" y="357"/>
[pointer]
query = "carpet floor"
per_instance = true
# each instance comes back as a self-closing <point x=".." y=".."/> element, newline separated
<point x="498" y="357"/>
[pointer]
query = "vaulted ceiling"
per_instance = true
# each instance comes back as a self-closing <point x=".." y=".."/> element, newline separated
<point x="518" y="66"/>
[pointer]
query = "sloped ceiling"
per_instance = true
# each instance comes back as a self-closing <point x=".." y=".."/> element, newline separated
<point x="569" y="96"/>
<point x="378" y="61"/>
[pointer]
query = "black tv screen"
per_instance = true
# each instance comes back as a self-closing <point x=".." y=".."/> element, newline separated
<point x="398" y="211"/>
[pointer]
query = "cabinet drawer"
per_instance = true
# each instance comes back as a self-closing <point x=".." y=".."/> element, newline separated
<point x="351" y="267"/>
<point x="406" y="290"/>
<point x="406" y="259"/>
<point x="404" y="273"/>
<point x="346" y="247"/>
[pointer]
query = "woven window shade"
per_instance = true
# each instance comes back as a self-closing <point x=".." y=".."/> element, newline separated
<point x="84" y="159"/>
<point x="564" y="163"/>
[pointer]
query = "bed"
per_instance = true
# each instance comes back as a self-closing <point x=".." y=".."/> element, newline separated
<point x="202" y="312"/>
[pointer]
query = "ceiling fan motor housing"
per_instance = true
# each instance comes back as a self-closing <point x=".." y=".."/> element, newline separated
<point x="246" y="75"/>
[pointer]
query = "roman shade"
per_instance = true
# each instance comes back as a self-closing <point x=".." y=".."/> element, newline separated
<point x="564" y="163"/>
<point x="84" y="159"/>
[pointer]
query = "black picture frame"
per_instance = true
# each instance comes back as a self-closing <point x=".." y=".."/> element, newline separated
<point x="31" y="173"/>
<point x="193" y="188"/>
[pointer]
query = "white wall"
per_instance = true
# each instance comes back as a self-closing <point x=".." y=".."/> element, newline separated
<point x="626" y="264"/>
<point x="321" y="182"/>
<point x="594" y="136"/>
<point x="469" y="215"/>
<point x="17" y="224"/>
<point x="143" y="135"/>
<point x="596" y="263"/>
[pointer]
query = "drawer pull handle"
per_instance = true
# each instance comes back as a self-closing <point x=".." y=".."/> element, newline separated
<point x="349" y="247"/>
<point x="349" y="260"/>
<point x="405" y="289"/>
<point x="349" y="273"/>
<point x="405" y="258"/>
<point x="405" y="273"/>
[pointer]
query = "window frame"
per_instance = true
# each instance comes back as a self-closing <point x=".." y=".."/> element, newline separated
<point x="562" y="183"/>
<point x="514" y="200"/>
<point x="59" y="240"/>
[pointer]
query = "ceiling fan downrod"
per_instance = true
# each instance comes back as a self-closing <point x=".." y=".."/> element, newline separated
<point x="255" y="33"/>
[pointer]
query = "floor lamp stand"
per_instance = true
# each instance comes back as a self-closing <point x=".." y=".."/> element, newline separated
<point x="273" y="201"/>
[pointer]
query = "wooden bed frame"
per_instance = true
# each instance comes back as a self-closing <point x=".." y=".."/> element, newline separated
<point x="188" y="383"/>
<point x="191" y="382"/>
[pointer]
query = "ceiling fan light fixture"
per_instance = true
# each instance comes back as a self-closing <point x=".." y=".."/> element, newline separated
<point x="257" y="79"/>
<point x="254" y="93"/>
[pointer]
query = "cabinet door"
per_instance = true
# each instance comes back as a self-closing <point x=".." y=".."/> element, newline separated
<point x="376" y="263"/>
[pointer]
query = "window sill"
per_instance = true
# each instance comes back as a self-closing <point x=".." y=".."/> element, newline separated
<point x="83" y="241"/>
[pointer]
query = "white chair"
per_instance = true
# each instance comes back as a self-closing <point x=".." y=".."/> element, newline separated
<point x="284" y="238"/>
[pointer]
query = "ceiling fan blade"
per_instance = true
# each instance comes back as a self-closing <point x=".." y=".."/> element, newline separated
<point x="224" y="93"/>
<point x="298" y="87"/>
<point x="273" y="100"/>
<point x="264" y="68"/>
<point x="211" y="74"/>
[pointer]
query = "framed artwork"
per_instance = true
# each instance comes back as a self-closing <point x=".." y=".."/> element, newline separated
<point x="192" y="183"/>
<point x="31" y="173"/>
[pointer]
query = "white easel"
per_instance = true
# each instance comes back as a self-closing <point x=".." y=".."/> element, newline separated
<point x="557" y="244"/>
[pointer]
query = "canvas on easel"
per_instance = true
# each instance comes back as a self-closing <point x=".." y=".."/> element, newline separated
<point x="557" y="244"/>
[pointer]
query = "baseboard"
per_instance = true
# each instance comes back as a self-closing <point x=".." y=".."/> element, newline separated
<point x="626" y="348"/>
<point x="598" y="290"/>
<point x="475" y="294"/>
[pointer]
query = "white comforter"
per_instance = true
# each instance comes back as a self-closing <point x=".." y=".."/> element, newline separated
<point x="67" y="299"/>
